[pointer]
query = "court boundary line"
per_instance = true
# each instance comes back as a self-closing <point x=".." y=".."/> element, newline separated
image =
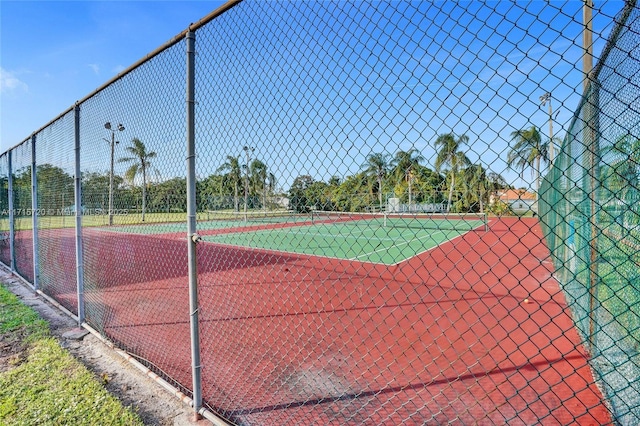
<point x="353" y="260"/>
<point x="405" y="243"/>
<point x="450" y="240"/>
<point x="290" y="230"/>
<point x="263" y="231"/>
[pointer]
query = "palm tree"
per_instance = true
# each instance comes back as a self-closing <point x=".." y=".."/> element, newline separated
<point x="450" y="154"/>
<point x="232" y="166"/>
<point x="141" y="165"/>
<point x="259" y="178"/>
<point x="269" y="186"/>
<point x="529" y="151"/>
<point x="377" y="167"/>
<point x="404" y="165"/>
<point x="495" y="183"/>
<point x="476" y="182"/>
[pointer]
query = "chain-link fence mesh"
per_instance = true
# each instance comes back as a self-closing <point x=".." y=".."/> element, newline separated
<point x="22" y="205"/>
<point x="133" y="171"/>
<point x="5" y="243"/>
<point x="55" y="171"/>
<point x="590" y="204"/>
<point x="368" y="243"/>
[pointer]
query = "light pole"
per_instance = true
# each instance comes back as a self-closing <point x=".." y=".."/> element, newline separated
<point x="113" y="142"/>
<point x="544" y="99"/>
<point x="247" y="150"/>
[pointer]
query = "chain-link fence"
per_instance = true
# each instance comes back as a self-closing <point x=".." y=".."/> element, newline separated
<point x="354" y="236"/>
<point x="590" y="202"/>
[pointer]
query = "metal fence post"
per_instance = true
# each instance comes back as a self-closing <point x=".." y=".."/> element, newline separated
<point x="78" y="217"/>
<point x="192" y="236"/>
<point x="34" y="213"/>
<point x="589" y="209"/>
<point x="12" y="253"/>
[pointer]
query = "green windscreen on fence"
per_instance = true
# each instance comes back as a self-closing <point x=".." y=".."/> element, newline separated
<point x="590" y="211"/>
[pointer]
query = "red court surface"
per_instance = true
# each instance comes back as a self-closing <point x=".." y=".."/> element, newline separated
<point x="292" y="339"/>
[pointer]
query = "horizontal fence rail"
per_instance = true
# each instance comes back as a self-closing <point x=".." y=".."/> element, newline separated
<point x="356" y="213"/>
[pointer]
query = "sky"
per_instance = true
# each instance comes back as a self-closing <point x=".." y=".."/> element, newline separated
<point x="474" y="68"/>
<point x="313" y="98"/>
<point x="53" y="53"/>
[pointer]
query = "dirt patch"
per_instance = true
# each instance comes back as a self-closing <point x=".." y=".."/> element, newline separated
<point x="12" y="350"/>
<point x="154" y="404"/>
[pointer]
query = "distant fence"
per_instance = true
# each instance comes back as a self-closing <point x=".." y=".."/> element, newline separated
<point x="172" y="211"/>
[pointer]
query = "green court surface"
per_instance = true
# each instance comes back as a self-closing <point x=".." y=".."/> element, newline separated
<point x="153" y="228"/>
<point x="377" y="241"/>
<point x="372" y="239"/>
<point x="236" y="221"/>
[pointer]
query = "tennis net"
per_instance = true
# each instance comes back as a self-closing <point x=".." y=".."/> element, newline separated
<point x="445" y="221"/>
<point x="256" y="216"/>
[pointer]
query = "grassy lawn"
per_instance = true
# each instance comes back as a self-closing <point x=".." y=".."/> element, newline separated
<point x="619" y="291"/>
<point x="40" y="383"/>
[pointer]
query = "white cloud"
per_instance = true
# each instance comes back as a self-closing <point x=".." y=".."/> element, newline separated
<point x="119" y="69"/>
<point x="95" y="68"/>
<point x="9" y="82"/>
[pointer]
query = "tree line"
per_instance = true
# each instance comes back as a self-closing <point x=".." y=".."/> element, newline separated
<point x="242" y="183"/>
<point x="456" y="182"/>
<point x="56" y="192"/>
<point x="232" y="186"/>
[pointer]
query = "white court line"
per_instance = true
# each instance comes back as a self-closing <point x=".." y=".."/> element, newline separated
<point x="316" y="234"/>
<point x="349" y="236"/>
<point x="397" y="245"/>
<point x="307" y="233"/>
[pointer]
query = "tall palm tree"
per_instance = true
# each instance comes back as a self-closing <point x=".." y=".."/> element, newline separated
<point x="529" y="151"/>
<point x="141" y="164"/>
<point x="405" y="164"/>
<point x="449" y="154"/>
<point x="377" y="167"/>
<point x="232" y="166"/>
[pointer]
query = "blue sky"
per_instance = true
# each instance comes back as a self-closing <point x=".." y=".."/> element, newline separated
<point x="474" y="68"/>
<point x="53" y="53"/>
<point x="470" y="71"/>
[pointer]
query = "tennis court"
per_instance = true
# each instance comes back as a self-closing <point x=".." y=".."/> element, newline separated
<point x="215" y="221"/>
<point x="365" y="237"/>
<point x="380" y="319"/>
<point x="374" y="238"/>
<point x="391" y="311"/>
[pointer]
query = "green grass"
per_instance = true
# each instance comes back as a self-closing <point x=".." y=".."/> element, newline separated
<point x="18" y="320"/>
<point x="620" y="290"/>
<point x="48" y="386"/>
